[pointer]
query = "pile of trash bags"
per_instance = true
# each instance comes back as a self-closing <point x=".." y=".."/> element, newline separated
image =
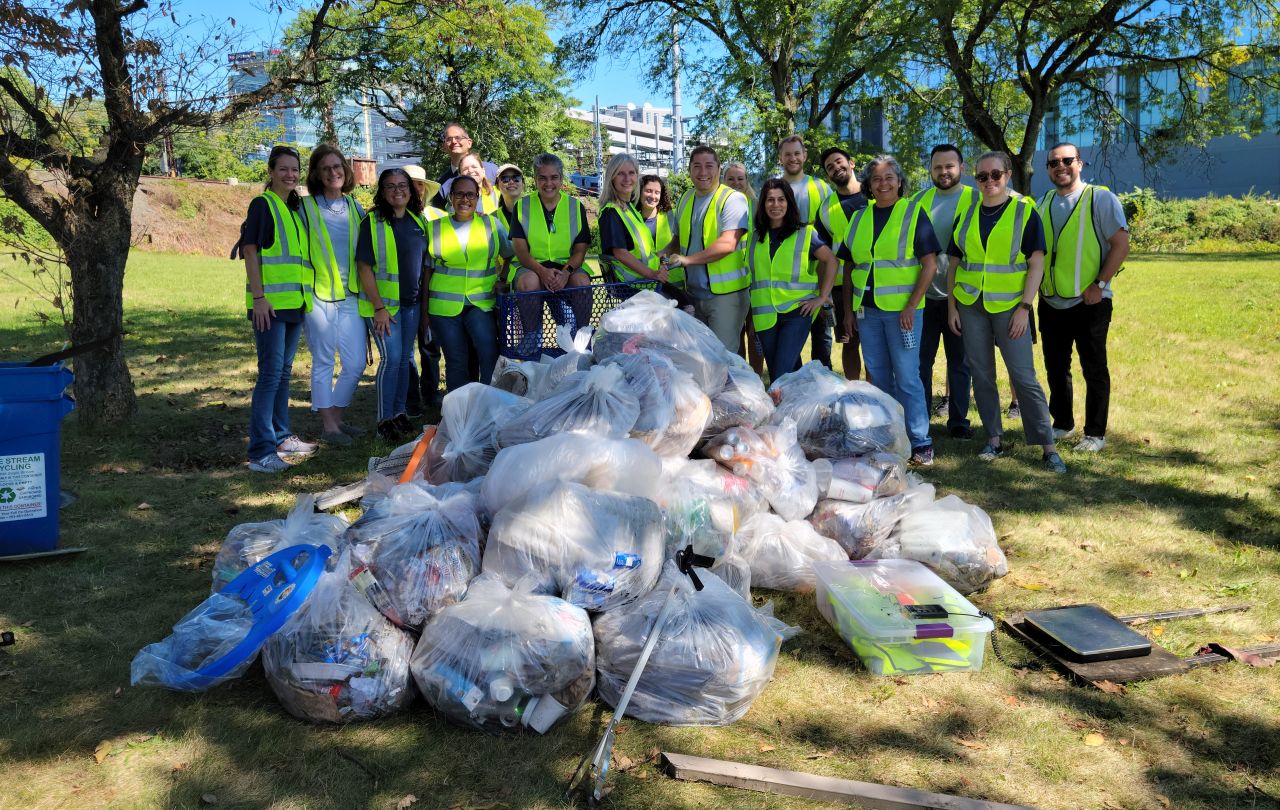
<point x="520" y="567"/>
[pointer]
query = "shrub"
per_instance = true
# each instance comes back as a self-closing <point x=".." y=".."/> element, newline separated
<point x="1207" y="224"/>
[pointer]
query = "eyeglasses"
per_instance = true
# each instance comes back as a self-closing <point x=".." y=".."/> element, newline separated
<point x="455" y="139"/>
<point x="334" y="168"/>
<point x="994" y="174"/>
<point x="396" y="187"/>
<point x="511" y="178"/>
<point x="465" y="196"/>
<point x="1056" y="162"/>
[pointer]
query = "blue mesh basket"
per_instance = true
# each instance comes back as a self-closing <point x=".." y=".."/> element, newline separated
<point x="545" y="311"/>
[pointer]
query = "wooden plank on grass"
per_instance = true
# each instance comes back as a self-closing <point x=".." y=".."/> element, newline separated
<point x="811" y="786"/>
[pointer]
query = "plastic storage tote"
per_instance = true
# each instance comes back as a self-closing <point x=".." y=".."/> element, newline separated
<point x="900" y="617"/>
<point x="32" y="404"/>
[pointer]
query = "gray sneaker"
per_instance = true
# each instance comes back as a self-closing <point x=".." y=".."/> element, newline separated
<point x="1091" y="444"/>
<point x="991" y="452"/>
<point x="269" y="464"/>
<point x="337" y="437"/>
<point x="1059" y="434"/>
<point x="1054" y="463"/>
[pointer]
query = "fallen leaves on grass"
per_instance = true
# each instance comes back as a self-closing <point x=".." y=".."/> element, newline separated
<point x="622" y="762"/>
<point x="822" y="754"/>
<point x="1264" y="637"/>
<point x="1030" y="586"/>
<point x="1075" y="722"/>
<point x="1012" y="700"/>
<point x="1110" y="687"/>
<point x="102" y="751"/>
<point x="974" y="744"/>
<point x="406" y="801"/>
<point x="1157" y="631"/>
<point x="143" y="507"/>
<point x="764" y="749"/>
<point x="1094" y="739"/>
<point x="1089" y="545"/>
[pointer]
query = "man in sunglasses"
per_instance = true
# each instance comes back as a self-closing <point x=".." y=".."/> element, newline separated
<point x="1087" y="239"/>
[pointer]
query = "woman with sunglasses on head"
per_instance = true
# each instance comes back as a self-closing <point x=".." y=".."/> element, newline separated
<point x="890" y="255"/>
<point x="510" y="190"/>
<point x="390" y="254"/>
<point x="334" y="328"/>
<point x="273" y="242"/>
<point x="997" y="262"/>
<point x="463" y="256"/>
<point x="786" y="293"/>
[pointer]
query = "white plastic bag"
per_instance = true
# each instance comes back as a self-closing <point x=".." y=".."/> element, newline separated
<point x="649" y="376"/>
<point x="418" y="551"/>
<point x="860" y="528"/>
<point x="713" y="658"/>
<point x="955" y="539"/>
<point x="464" y="444"/>
<point x="743" y="401"/>
<point x="704" y="505"/>
<point x="772" y="459"/>
<point x="248" y="543"/>
<point x="861" y="479"/>
<point x="781" y="553"/>
<point x="647" y="320"/>
<point x="620" y="465"/>
<point x="597" y="550"/>
<point x="338" y="659"/>
<point x="576" y="357"/>
<point x="838" y="418"/>
<point x="596" y="402"/>
<point x="504" y="658"/>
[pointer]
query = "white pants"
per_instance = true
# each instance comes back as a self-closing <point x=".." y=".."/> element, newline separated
<point x="335" y="330"/>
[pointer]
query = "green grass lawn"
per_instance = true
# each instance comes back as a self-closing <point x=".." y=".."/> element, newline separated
<point x="1181" y="510"/>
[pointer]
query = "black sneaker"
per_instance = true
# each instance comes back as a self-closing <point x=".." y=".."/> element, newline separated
<point x="1014" y="411"/>
<point x="991" y="452"/>
<point x="390" y="431"/>
<point x="921" y="457"/>
<point x="402" y="422"/>
<point x="960" y="432"/>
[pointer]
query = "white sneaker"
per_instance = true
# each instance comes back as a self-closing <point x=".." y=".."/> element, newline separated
<point x="295" y="445"/>
<point x="1091" y="444"/>
<point x="269" y="464"/>
<point x="1059" y="434"/>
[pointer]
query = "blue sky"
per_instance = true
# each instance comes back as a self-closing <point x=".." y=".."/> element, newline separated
<point x="615" y="82"/>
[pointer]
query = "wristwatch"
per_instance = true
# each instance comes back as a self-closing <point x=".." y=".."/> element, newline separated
<point x="1102" y="285"/>
<point x="1025" y="305"/>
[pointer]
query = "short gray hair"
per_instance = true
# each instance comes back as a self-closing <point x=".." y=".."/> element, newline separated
<point x="548" y="159"/>
<point x="891" y="162"/>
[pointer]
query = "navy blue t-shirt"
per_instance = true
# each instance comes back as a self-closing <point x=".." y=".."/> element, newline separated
<point x="1032" y="234"/>
<point x="614" y="233"/>
<point x="926" y="242"/>
<point x="411" y="254"/>
<point x="260" y="229"/>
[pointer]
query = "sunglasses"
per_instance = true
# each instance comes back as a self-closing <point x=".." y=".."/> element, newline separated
<point x="994" y="174"/>
<point x="1056" y="162"/>
<point x="284" y="150"/>
<point x="511" y="178"/>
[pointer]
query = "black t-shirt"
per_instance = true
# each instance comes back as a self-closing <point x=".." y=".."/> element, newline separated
<point x="260" y="229"/>
<point x="926" y="242"/>
<point x="776" y="239"/>
<point x="438" y="200"/>
<point x="614" y="233"/>
<point x="411" y="254"/>
<point x="1032" y="234"/>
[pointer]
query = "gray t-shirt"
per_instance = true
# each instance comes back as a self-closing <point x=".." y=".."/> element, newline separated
<point x="1108" y="217"/>
<point x="800" y="188"/>
<point x="733" y="216"/>
<point x="942" y="215"/>
<point x="339" y="228"/>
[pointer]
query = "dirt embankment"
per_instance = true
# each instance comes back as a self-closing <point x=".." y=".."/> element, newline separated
<point x="189" y="216"/>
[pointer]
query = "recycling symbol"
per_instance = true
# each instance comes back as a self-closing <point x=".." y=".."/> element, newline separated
<point x="7" y="495"/>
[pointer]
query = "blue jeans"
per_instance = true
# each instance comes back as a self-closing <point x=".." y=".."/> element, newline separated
<point x="895" y="369"/>
<point x="395" y="362"/>
<point x="269" y="407"/>
<point x="782" y="343"/>
<point x="472" y="331"/>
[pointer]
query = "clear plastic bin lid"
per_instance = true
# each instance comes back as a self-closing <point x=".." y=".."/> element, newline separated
<point x="896" y="601"/>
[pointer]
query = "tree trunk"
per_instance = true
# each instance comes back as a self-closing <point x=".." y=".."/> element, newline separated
<point x="1023" y="169"/>
<point x="96" y="255"/>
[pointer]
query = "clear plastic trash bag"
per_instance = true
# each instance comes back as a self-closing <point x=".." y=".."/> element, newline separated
<point x="576" y="357"/>
<point x="249" y="543"/>
<point x="519" y="377"/>
<point x="649" y="375"/>
<point x="647" y="320"/>
<point x="954" y="538"/>
<point x="619" y="465"/>
<point x="201" y="637"/>
<point x="692" y="409"/>
<point x="861" y="527"/>
<point x="338" y="659"/>
<point x="504" y="658"/>
<point x="838" y="418"/>
<point x="742" y="401"/>
<point x="597" y="402"/>
<point x="414" y="552"/>
<point x="781" y="553"/>
<point x="704" y="505"/>
<point x="715" y="655"/>
<point x="861" y="479"/>
<point x="770" y="457"/>
<point x="465" y="444"/>
<point x="597" y="550"/>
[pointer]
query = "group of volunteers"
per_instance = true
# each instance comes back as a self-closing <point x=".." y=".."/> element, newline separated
<point x="853" y="259"/>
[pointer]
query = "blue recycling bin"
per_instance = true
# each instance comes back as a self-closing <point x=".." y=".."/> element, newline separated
<point x="33" y="401"/>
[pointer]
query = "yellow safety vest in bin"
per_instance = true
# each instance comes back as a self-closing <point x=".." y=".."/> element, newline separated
<point x="892" y="255"/>
<point x="386" y="268"/>
<point x="287" y="275"/>
<point x="782" y="282"/>
<point x="459" y="276"/>
<point x="997" y="270"/>
<point x="728" y="274"/>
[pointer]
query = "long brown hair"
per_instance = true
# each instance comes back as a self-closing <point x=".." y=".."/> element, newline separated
<point x="315" y="178"/>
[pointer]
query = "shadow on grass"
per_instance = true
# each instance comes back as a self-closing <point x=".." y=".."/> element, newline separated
<point x="1224" y="258"/>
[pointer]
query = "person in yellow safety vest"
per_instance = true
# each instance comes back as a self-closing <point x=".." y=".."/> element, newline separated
<point x="655" y="210"/>
<point x="833" y="225"/>
<point x="890" y="254"/>
<point x="996" y="264"/>
<point x="786" y="293"/>
<point x="711" y="220"/>
<point x="390" y="254"/>
<point x="273" y="242"/>
<point x="626" y="244"/>
<point x="473" y="166"/>
<point x="333" y="327"/>
<point x="550" y="236"/>
<point x="735" y="177"/>
<point x="812" y="198"/>
<point x="510" y="190"/>
<point x="463" y="254"/>
<point x="946" y="203"/>
<point x="1087" y="241"/>
<point x="424" y="389"/>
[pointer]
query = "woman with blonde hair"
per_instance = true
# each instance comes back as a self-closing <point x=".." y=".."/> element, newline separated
<point x="472" y="165"/>
<point x="625" y="240"/>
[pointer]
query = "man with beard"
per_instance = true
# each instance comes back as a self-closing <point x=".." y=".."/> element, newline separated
<point x="833" y="227"/>
<point x="946" y="203"/>
<point x="812" y="197"/>
<point x="1087" y="239"/>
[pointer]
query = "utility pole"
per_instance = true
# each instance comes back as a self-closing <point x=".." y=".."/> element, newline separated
<point x="599" y="158"/>
<point x="677" y="122"/>
<point x="630" y="108"/>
